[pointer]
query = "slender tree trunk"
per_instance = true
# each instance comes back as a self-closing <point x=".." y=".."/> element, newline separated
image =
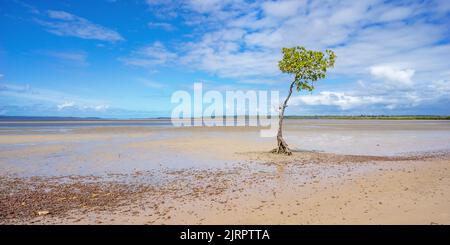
<point x="282" y="147"/>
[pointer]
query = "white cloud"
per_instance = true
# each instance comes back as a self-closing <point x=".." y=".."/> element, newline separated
<point x="205" y="6"/>
<point x="65" y="105"/>
<point x="100" y="107"/>
<point x="260" y="81"/>
<point x="62" y="23"/>
<point x="74" y="106"/>
<point x="61" y="15"/>
<point x="77" y="57"/>
<point x="397" y="13"/>
<point x="51" y="98"/>
<point x="363" y="34"/>
<point x="390" y="45"/>
<point x="440" y="88"/>
<point x="219" y="60"/>
<point x="380" y="97"/>
<point x="158" y="52"/>
<point x="150" y="84"/>
<point x="30" y="8"/>
<point x="339" y="99"/>
<point x="402" y="77"/>
<point x="282" y="9"/>
<point x="150" y="56"/>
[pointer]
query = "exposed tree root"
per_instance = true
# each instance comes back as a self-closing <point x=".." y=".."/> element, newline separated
<point x="282" y="147"/>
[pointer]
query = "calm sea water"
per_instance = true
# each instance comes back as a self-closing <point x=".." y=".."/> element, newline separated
<point x="63" y="125"/>
<point x="48" y="126"/>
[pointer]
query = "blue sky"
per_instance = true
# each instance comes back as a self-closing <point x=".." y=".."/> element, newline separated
<point x="117" y="58"/>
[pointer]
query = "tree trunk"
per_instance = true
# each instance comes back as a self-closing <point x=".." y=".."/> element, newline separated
<point x="282" y="146"/>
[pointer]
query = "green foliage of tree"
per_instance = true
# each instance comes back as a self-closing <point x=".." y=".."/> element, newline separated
<point x="308" y="66"/>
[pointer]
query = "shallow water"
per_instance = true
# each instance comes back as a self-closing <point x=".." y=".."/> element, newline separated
<point x="369" y="137"/>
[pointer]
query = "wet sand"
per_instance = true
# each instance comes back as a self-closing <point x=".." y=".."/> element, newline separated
<point x="342" y="172"/>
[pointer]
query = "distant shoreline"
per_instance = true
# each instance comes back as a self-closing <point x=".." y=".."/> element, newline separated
<point x="373" y="117"/>
<point x="93" y="119"/>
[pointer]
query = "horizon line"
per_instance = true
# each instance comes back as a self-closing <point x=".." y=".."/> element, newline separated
<point x="62" y="118"/>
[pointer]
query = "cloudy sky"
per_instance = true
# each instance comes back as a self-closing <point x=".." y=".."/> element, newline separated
<point x="125" y="58"/>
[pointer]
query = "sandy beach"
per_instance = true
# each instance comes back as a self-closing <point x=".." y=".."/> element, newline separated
<point x="341" y="172"/>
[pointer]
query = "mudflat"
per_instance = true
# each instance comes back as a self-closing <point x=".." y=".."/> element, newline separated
<point x="341" y="172"/>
